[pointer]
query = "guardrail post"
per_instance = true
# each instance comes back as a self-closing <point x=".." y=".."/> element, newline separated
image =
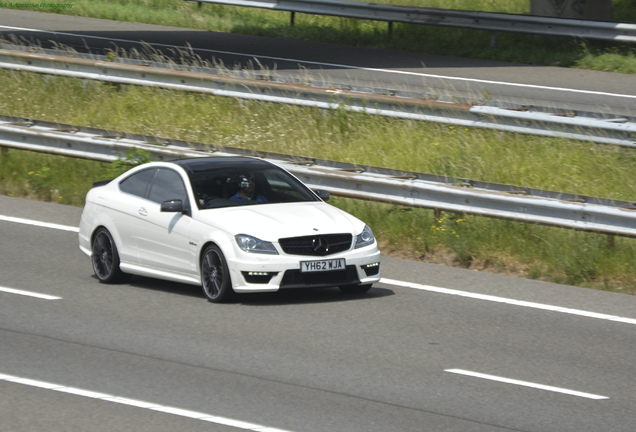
<point x="390" y="29"/>
<point x="200" y="5"/>
<point x="292" y="18"/>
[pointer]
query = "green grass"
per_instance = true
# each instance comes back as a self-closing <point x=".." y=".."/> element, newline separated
<point x="529" y="49"/>
<point x="557" y="255"/>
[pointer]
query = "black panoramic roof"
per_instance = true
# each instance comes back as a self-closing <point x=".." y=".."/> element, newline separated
<point x="220" y="163"/>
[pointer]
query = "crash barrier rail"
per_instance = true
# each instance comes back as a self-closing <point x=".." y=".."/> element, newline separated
<point x="489" y="21"/>
<point x="615" y="131"/>
<point x="406" y="188"/>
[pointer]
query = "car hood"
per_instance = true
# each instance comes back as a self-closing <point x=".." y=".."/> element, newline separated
<point x="273" y="221"/>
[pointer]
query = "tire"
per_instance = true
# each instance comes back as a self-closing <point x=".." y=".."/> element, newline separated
<point x="215" y="276"/>
<point x="105" y="258"/>
<point x="355" y="289"/>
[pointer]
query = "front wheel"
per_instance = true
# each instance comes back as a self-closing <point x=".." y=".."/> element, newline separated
<point x="106" y="258"/>
<point x="215" y="276"/>
<point x="355" y="289"/>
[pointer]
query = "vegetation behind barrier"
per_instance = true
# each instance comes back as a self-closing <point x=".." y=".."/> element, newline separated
<point x="530" y="49"/>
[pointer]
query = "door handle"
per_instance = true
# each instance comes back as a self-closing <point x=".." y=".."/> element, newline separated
<point x="142" y="212"/>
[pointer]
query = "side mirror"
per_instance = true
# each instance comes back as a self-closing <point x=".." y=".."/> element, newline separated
<point x="172" y="206"/>
<point x="323" y="194"/>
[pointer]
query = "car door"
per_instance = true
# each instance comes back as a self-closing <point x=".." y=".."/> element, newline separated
<point x="125" y="212"/>
<point x="163" y="237"/>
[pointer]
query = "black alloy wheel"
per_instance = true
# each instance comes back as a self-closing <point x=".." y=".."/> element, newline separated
<point x="105" y="257"/>
<point x="215" y="276"/>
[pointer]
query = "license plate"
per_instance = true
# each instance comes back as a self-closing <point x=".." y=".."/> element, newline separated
<point x="322" y="265"/>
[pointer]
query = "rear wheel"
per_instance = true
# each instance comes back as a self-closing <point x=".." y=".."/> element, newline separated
<point x="106" y="258"/>
<point x="355" y="289"/>
<point x="215" y="276"/>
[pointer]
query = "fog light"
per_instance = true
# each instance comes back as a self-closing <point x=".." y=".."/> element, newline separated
<point x="371" y="269"/>
<point x="256" y="277"/>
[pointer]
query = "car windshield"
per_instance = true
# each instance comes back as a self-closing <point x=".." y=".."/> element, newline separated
<point x="247" y="185"/>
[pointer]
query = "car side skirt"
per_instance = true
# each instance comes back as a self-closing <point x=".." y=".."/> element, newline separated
<point x="139" y="270"/>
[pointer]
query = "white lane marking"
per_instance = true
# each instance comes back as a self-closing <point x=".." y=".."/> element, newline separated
<point x="38" y="223"/>
<point x="342" y="66"/>
<point x="526" y="384"/>
<point x="514" y="302"/>
<point x="29" y="293"/>
<point x="141" y="404"/>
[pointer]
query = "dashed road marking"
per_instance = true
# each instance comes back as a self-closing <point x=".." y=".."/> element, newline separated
<point x="526" y="384"/>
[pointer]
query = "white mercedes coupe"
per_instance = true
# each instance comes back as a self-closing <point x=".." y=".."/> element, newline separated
<point x="228" y="224"/>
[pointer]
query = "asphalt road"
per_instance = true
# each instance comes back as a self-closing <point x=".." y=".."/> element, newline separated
<point x="430" y="348"/>
<point x="444" y="77"/>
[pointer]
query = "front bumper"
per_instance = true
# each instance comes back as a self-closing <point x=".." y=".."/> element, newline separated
<point x="273" y="272"/>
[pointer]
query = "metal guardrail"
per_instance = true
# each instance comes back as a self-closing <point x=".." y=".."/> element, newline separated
<point x="494" y="22"/>
<point x="615" y="131"/>
<point x="349" y="180"/>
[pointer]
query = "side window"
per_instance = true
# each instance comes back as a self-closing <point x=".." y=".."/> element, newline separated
<point x="137" y="184"/>
<point x="167" y="185"/>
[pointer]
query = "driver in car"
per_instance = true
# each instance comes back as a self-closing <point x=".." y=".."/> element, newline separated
<point x="247" y="184"/>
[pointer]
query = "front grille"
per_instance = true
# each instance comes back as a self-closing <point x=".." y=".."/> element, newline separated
<point x="297" y="279"/>
<point x="316" y="245"/>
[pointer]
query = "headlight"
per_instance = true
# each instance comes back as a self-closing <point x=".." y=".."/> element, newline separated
<point x="365" y="238"/>
<point x="254" y="245"/>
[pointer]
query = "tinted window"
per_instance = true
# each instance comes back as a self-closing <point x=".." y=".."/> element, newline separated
<point x="167" y="186"/>
<point x="137" y="184"/>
